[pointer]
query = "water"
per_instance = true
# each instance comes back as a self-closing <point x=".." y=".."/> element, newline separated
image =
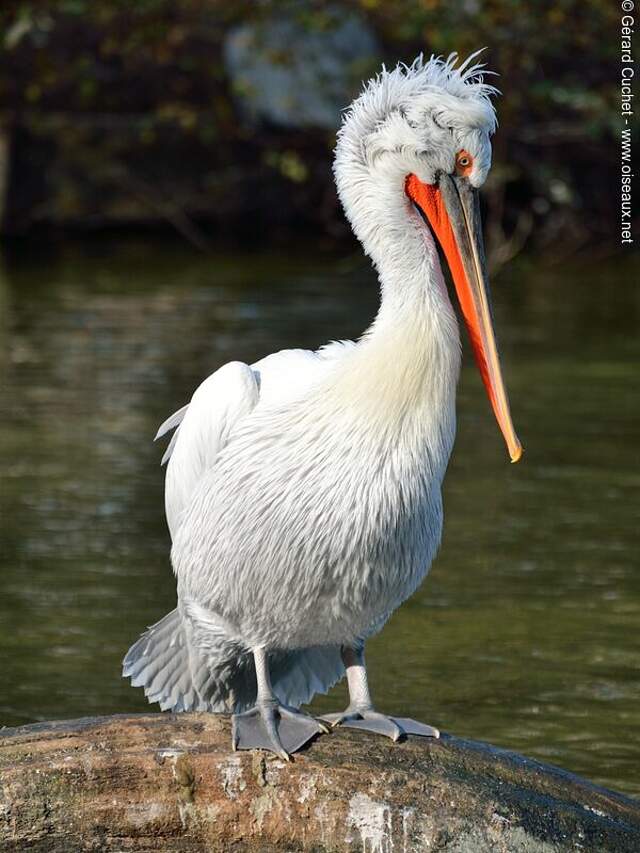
<point x="525" y="633"/>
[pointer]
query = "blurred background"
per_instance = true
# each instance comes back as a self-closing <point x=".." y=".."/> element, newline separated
<point x="167" y="204"/>
<point x="219" y="118"/>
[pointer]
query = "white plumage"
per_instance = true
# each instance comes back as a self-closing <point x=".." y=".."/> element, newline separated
<point x="183" y="678"/>
<point x="303" y="492"/>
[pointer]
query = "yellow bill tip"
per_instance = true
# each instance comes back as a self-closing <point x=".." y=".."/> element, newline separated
<point x="516" y="453"/>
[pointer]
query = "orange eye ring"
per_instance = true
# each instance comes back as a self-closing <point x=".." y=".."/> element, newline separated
<point x="464" y="163"/>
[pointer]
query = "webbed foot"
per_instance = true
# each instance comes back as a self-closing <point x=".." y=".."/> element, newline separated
<point x="366" y="718"/>
<point x="275" y="727"/>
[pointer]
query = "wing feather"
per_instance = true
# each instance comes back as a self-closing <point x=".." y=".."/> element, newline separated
<point x="172" y="421"/>
<point x="205" y="425"/>
<point x="166" y="456"/>
<point x="216" y="408"/>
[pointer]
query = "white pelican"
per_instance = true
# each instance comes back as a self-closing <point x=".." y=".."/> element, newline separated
<point x="303" y="491"/>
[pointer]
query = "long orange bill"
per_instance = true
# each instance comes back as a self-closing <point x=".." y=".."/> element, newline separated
<point x="452" y="209"/>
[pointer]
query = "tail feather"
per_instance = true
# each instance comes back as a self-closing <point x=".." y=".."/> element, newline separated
<point x="179" y="677"/>
<point x="158" y="662"/>
<point x="166" y="680"/>
<point x="164" y="663"/>
<point x="150" y="669"/>
<point x="146" y="671"/>
<point x="299" y="674"/>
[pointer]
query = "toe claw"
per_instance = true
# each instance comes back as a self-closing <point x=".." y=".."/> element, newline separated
<point x="296" y="716"/>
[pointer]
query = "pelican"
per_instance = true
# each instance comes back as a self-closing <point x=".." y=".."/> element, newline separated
<point x="303" y="492"/>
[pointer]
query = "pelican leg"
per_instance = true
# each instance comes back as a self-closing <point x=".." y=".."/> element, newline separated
<point x="270" y="724"/>
<point x="360" y="713"/>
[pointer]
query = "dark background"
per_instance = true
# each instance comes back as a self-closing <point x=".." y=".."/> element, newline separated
<point x="218" y="119"/>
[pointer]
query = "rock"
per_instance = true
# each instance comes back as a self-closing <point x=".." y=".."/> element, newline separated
<point x="299" y="75"/>
<point x="165" y="782"/>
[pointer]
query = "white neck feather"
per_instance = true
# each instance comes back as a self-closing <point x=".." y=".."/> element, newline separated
<point x="405" y="369"/>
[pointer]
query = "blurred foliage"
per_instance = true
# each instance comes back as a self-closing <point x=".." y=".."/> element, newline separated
<point x="146" y="89"/>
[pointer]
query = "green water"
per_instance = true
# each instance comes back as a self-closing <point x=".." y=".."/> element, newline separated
<point x="525" y="634"/>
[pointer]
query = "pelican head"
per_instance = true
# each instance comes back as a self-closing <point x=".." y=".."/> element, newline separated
<point x="412" y="153"/>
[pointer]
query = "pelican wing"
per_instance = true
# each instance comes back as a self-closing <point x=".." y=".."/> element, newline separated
<point x="216" y="408"/>
<point x="205" y="425"/>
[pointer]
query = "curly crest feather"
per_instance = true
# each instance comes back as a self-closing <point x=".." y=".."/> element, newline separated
<point x="443" y="78"/>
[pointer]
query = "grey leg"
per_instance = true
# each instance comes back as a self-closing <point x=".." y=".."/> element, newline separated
<point x="360" y="713"/>
<point x="269" y="724"/>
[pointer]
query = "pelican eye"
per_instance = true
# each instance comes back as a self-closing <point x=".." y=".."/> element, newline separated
<point x="464" y="162"/>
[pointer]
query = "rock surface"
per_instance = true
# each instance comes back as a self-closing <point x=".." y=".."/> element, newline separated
<point x="162" y="782"/>
<point x="285" y="72"/>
